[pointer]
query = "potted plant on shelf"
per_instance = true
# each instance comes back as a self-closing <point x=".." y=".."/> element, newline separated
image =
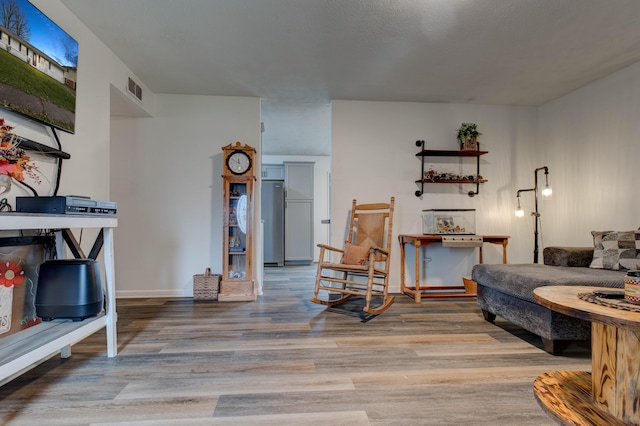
<point x="468" y="136"/>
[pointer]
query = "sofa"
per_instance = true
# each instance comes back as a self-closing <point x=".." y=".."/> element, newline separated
<point x="507" y="291"/>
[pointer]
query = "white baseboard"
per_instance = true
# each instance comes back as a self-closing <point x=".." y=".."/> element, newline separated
<point x="130" y="294"/>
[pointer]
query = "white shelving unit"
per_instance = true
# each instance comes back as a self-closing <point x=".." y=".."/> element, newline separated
<point x="28" y="348"/>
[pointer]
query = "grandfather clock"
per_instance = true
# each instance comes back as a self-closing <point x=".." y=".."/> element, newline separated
<point x="237" y="269"/>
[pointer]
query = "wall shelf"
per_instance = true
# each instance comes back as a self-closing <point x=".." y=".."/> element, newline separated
<point x="30" y="145"/>
<point x="424" y="153"/>
<point x="447" y="153"/>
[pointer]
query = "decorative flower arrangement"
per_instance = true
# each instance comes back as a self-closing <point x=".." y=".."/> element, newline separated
<point x="11" y="274"/>
<point x="467" y="135"/>
<point x="468" y="130"/>
<point x="13" y="160"/>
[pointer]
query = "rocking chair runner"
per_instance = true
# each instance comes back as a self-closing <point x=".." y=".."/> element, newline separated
<point x="364" y="267"/>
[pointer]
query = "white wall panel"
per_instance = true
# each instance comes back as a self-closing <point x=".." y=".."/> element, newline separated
<point x="167" y="182"/>
<point x="589" y="139"/>
<point x="373" y="158"/>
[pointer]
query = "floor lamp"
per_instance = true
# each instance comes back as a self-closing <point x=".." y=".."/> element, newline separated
<point x="546" y="193"/>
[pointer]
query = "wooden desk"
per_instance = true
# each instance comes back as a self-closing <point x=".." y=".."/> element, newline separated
<point x="610" y="393"/>
<point x="420" y="240"/>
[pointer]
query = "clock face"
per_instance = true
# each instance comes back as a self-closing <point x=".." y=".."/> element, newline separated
<point x="238" y="162"/>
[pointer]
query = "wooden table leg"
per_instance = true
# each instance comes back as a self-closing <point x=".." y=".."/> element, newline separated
<point x="615" y="374"/>
<point x="402" y="286"/>
<point x="418" y="295"/>
<point x="504" y="243"/>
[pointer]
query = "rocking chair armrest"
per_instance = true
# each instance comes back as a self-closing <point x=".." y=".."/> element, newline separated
<point x="327" y="247"/>
<point x="381" y="250"/>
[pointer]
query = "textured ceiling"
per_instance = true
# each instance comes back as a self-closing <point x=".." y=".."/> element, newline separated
<point x="509" y="52"/>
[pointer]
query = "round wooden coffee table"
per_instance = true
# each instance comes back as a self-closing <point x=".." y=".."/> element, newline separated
<point x="610" y="394"/>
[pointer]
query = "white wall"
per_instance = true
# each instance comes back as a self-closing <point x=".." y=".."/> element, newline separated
<point x="87" y="171"/>
<point x="590" y="141"/>
<point x="166" y="177"/>
<point x="587" y="138"/>
<point x="296" y="127"/>
<point x="373" y="158"/>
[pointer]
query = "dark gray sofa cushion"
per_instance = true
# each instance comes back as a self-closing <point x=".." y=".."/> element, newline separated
<point x="520" y="280"/>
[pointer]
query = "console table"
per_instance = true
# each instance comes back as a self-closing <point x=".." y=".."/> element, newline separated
<point x="25" y="349"/>
<point x="609" y="394"/>
<point x="419" y="240"/>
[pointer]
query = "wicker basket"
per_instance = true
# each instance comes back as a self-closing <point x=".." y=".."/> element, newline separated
<point x="470" y="286"/>
<point x="206" y="286"/>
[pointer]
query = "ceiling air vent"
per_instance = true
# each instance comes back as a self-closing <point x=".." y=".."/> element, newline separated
<point x="135" y="89"/>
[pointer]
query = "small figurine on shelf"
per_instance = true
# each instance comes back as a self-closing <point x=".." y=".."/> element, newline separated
<point x="232" y="217"/>
<point x="468" y="136"/>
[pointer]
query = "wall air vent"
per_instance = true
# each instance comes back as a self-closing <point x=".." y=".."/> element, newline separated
<point x="135" y="89"/>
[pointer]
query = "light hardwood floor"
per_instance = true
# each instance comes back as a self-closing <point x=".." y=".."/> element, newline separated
<point x="283" y="360"/>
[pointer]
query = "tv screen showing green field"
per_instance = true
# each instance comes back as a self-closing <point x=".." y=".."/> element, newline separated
<point x="38" y="66"/>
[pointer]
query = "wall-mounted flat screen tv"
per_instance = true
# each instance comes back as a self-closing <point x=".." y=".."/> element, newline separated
<point x="38" y="66"/>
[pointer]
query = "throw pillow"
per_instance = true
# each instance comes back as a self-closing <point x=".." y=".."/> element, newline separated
<point x="615" y="250"/>
<point x="354" y="255"/>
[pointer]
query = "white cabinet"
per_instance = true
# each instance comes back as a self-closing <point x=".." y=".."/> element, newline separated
<point x="299" y="180"/>
<point x="298" y="212"/>
<point x="23" y="350"/>
<point x="298" y="231"/>
<point x="272" y="172"/>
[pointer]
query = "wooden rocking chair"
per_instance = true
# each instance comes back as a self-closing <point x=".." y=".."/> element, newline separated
<point x="363" y="269"/>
